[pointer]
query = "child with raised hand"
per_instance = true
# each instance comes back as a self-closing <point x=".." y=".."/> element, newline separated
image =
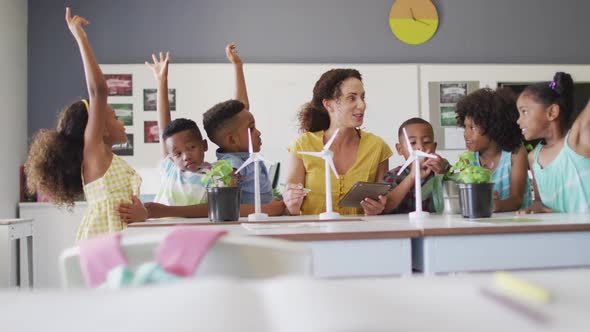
<point x="227" y="125"/>
<point x="77" y="158"/>
<point x="182" y="150"/>
<point x="401" y="199"/>
<point x="488" y="117"/>
<point x="561" y="163"/>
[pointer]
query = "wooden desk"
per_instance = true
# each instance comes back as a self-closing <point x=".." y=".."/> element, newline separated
<point x="452" y="244"/>
<point x="371" y="246"/>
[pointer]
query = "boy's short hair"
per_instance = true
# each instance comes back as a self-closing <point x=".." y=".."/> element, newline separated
<point x="179" y="125"/>
<point x="411" y="122"/>
<point x="219" y="116"/>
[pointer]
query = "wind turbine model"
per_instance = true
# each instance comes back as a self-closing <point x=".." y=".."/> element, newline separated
<point x="255" y="157"/>
<point x="327" y="155"/>
<point x="415" y="156"/>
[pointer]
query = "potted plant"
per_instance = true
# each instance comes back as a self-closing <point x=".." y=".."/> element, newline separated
<point x="465" y="189"/>
<point x="475" y="187"/>
<point x="223" y="194"/>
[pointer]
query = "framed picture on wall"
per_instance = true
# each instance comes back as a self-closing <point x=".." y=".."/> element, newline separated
<point x="150" y="99"/>
<point x="125" y="149"/>
<point x="124" y="112"/>
<point x="443" y="98"/>
<point x="151" y="132"/>
<point x="119" y="84"/>
<point x="450" y="93"/>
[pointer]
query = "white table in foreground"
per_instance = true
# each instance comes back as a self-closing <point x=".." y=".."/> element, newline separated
<point x="431" y="303"/>
<point x="451" y="243"/>
<point x="369" y="246"/>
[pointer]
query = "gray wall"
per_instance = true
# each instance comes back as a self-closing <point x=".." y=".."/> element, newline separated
<point x="13" y="93"/>
<point x="294" y="31"/>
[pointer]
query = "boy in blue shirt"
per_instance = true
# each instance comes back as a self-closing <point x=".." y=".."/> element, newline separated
<point x="227" y="125"/>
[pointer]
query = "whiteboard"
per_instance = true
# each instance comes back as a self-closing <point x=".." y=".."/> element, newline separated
<point x="276" y="93"/>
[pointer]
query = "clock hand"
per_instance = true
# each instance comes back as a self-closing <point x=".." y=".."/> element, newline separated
<point x="415" y="19"/>
<point x="412" y="13"/>
<point x="421" y="21"/>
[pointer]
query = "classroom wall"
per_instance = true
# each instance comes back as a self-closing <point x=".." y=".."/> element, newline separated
<point x="13" y="94"/>
<point x="280" y="31"/>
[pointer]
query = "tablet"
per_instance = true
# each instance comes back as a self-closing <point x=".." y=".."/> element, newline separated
<point x="362" y="190"/>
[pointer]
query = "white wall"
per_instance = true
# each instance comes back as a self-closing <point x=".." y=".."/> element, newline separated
<point x="276" y="92"/>
<point x="395" y="93"/>
<point x="13" y="94"/>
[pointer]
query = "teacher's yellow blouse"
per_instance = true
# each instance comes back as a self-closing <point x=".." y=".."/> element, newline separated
<point x="371" y="152"/>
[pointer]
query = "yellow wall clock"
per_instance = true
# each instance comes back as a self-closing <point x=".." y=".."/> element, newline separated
<point x="413" y="21"/>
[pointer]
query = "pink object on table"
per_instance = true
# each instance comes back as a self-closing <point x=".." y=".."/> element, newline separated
<point x="99" y="255"/>
<point x="183" y="249"/>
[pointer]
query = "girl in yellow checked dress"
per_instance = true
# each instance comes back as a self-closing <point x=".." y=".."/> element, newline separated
<point x="77" y="158"/>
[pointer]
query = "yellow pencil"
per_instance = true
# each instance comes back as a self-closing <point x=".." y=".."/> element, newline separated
<point x="520" y="288"/>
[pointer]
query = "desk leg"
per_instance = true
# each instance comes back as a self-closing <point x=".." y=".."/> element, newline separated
<point x="30" y="259"/>
<point x="8" y="259"/>
<point x="23" y="262"/>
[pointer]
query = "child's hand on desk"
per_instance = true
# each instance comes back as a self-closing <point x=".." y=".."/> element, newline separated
<point x="536" y="207"/>
<point x="155" y="210"/>
<point x="132" y="212"/>
<point x="373" y="207"/>
<point x="293" y="196"/>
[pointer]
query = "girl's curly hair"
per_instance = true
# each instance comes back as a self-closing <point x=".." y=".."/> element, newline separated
<point x="495" y="112"/>
<point x="54" y="162"/>
<point x="313" y="116"/>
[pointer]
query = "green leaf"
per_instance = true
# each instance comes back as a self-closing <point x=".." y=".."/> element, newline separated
<point x="468" y="173"/>
<point x="219" y="175"/>
<point x="434" y="188"/>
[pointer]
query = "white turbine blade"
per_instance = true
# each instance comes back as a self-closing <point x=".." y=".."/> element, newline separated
<point x="250" y="149"/>
<point x="406" y="164"/>
<point x="259" y="157"/>
<point x="408" y="144"/>
<point x="425" y="155"/>
<point x="327" y="146"/>
<point x="246" y="163"/>
<point x="315" y="154"/>
<point x="331" y="163"/>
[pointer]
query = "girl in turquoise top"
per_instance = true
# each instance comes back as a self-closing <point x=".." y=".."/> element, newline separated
<point x="488" y="118"/>
<point x="561" y="163"/>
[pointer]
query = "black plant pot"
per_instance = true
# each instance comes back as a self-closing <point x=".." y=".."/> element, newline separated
<point x="224" y="203"/>
<point x="476" y="199"/>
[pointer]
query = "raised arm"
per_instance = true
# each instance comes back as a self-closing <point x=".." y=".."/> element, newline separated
<point x="579" y="139"/>
<point x="232" y="55"/>
<point x="160" y="70"/>
<point x="96" y="84"/>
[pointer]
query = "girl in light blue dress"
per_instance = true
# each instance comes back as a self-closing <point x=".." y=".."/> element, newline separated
<point x="491" y="133"/>
<point x="561" y="163"/>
